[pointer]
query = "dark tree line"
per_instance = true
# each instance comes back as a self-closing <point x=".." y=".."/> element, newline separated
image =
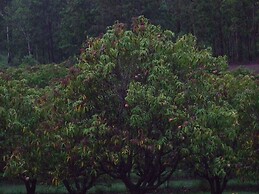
<point x="51" y="31"/>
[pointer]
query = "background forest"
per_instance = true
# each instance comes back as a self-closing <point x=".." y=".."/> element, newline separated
<point x="51" y="31"/>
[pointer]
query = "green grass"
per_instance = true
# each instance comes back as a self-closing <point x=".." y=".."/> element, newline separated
<point x="20" y="189"/>
<point x="116" y="187"/>
<point x="174" y="186"/>
<point x="201" y="186"/>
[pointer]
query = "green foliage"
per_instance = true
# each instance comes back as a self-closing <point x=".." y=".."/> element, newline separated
<point x="24" y="146"/>
<point x="133" y="99"/>
<point x="54" y="30"/>
<point x="136" y="104"/>
<point x="39" y="76"/>
<point x="29" y="61"/>
<point x="19" y="119"/>
<point x="222" y="128"/>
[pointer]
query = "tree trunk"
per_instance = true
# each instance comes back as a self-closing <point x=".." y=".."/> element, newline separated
<point x="29" y="46"/>
<point x="79" y="188"/>
<point x="50" y="43"/>
<point x="240" y="48"/>
<point x="137" y="191"/>
<point x="9" y="59"/>
<point x="217" y="185"/>
<point x="132" y="188"/>
<point x="30" y="185"/>
<point x="212" y="186"/>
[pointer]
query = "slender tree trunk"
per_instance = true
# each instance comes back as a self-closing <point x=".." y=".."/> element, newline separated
<point x="221" y="39"/>
<point x="36" y="53"/>
<point x="254" y="32"/>
<point x="249" y="48"/>
<point x="27" y="38"/>
<point x="240" y="48"/>
<point x="28" y="45"/>
<point x="236" y="46"/>
<point x="51" y="44"/>
<point x="9" y="59"/>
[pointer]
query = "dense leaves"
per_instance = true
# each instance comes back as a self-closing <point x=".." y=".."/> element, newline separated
<point x="139" y="102"/>
<point x="134" y="90"/>
<point x="223" y="127"/>
<point x="20" y="148"/>
<point x="52" y="31"/>
<point x="23" y="143"/>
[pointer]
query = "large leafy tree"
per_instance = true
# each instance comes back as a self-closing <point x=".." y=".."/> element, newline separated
<point x="129" y="88"/>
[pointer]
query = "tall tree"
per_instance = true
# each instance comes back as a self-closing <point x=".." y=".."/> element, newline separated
<point x="46" y="22"/>
<point x="78" y="20"/>
<point x="19" y="17"/>
<point x="5" y="34"/>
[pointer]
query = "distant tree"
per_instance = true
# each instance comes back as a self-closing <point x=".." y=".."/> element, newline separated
<point x="54" y="30"/>
<point x="34" y="28"/>
<point x="19" y="16"/>
<point x="78" y="20"/>
<point x="46" y="24"/>
<point x="5" y="34"/>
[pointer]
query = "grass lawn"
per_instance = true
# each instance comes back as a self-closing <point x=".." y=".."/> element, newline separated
<point x="177" y="186"/>
<point x="20" y="189"/>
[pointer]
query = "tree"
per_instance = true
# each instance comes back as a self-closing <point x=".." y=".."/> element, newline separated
<point x="131" y="89"/>
<point x="34" y="29"/>
<point x="19" y="119"/>
<point x="19" y="18"/>
<point x="69" y="148"/>
<point x="78" y="21"/>
<point x="5" y="38"/>
<point x="222" y="128"/>
<point x="73" y="148"/>
<point x="46" y="25"/>
<point x="24" y="142"/>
